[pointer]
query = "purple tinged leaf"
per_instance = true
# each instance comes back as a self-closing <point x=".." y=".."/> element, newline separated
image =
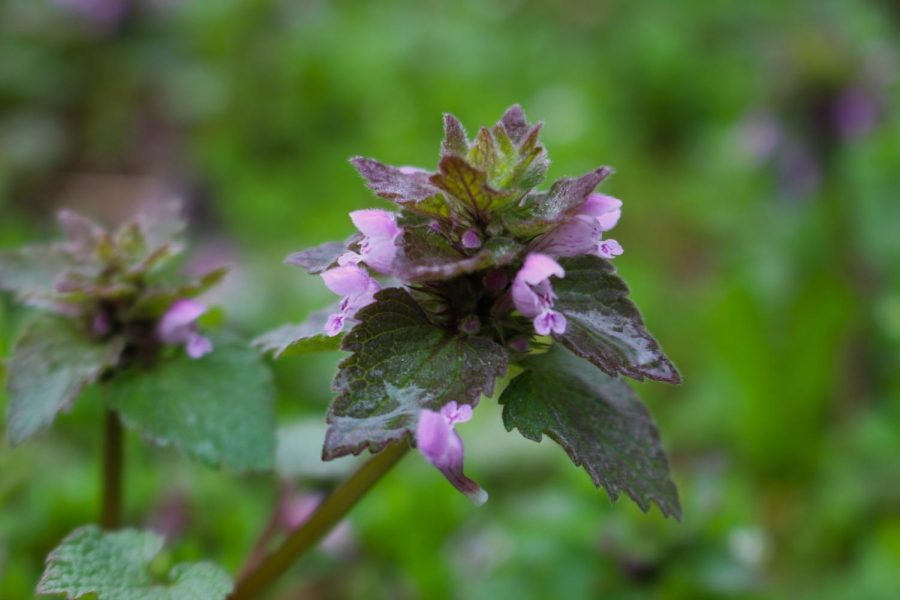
<point x="318" y="258"/>
<point x="82" y="234"/>
<point x="393" y="183"/>
<point x="600" y="423"/>
<point x="401" y="364"/>
<point x="307" y="337"/>
<point x="604" y="326"/>
<point x="426" y="255"/>
<point x="455" y="139"/>
<point x="515" y="123"/>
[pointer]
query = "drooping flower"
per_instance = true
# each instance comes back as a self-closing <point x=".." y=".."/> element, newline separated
<point x="441" y="445"/>
<point x="533" y="296"/>
<point x="379" y="244"/>
<point x="358" y="289"/>
<point x="179" y="326"/>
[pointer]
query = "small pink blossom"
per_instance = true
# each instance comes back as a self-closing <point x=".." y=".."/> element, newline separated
<point x="533" y="296"/>
<point x="606" y="209"/>
<point x="178" y="326"/>
<point x="471" y="239"/>
<point x="608" y="249"/>
<point x="358" y="289"/>
<point x="379" y="246"/>
<point x="441" y="445"/>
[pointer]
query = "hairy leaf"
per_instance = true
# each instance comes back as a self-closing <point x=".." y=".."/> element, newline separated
<point x="543" y="210"/>
<point x="217" y="409"/>
<point x="317" y="259"/>
<point x="455" y="140"/>
<point x="515" y="123"/>
<point x="598" y="420"/>
<point x="402" y="363"/>
<point x="52" y="361"/>
<point x="426" y="255"/>
<point x="304" y="338"/>
<point x="604" y="326"/>
<point x="394" y="183"/>
<point x="34" y="270"/>
<point x="469" y="186"/>
<point x="118" y="566"/>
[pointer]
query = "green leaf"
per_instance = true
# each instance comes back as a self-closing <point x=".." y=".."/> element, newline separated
<point x="402" y="363"/>
<point x="34" y="270"/>
<point x="604" y="326"/>
<point x="598" y="420"/>
<point x="118" y="566"/>
<point x="305" y="338"/>
<point x="317" y="259"/>
<point x="469" y="186"/>
<point x="217" y="409"/>
<point x="52" y="361"/>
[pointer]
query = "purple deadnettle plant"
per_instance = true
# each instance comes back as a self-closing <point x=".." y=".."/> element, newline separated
<point x="471" y="271"/>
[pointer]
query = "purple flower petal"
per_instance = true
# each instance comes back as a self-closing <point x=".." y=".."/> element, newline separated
<point x="178" y="326"/>
<point x="471" y="239"/>
<point x="442" y="447"/>
<point x="609" y="249"/>
<point x="379" y="246"/>
<point x="531" y="291"/>
<point x="198" y="345"/>
<point x="177" y="323"/>
<point x="605" y="209"/>
<point x="575" y="237"/>
<point x="347" y="280"/>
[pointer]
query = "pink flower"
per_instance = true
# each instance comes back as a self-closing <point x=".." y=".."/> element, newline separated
<point x="533" y="296"/>
<point x="379" y="246"/>
<point x="575" y="237"/>
<point x="179" y="326"/>
<point x="608" y="248"/>
<point x="605" y="209"/>
<point x="471" y="239"/>
<point x="358" y="289"/>
<point x="441" y="445"/>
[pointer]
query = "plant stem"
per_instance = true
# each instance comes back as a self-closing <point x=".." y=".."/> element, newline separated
<point x="113" y="462"/>
<point x="326" y="516"/>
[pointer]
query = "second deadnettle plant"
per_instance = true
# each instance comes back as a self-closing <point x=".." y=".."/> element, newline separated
<point x="474" y="270"/>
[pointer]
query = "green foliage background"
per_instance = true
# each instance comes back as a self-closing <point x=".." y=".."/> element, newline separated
<point x="761" y="240"/>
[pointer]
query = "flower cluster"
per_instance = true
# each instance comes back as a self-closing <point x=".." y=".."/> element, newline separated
<point x="108" y="281"/>
<point x="476" y="220"/>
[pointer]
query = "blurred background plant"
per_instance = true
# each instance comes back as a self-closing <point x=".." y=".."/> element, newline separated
<point x="757" y="153"/>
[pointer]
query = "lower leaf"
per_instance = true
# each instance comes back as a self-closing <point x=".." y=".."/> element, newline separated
<point x="117" y="565"/>
<point x="598" y="420"/>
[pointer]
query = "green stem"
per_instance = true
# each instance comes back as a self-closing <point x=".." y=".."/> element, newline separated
<point x="334" y="508"/>
<point x="113" y="463"/>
